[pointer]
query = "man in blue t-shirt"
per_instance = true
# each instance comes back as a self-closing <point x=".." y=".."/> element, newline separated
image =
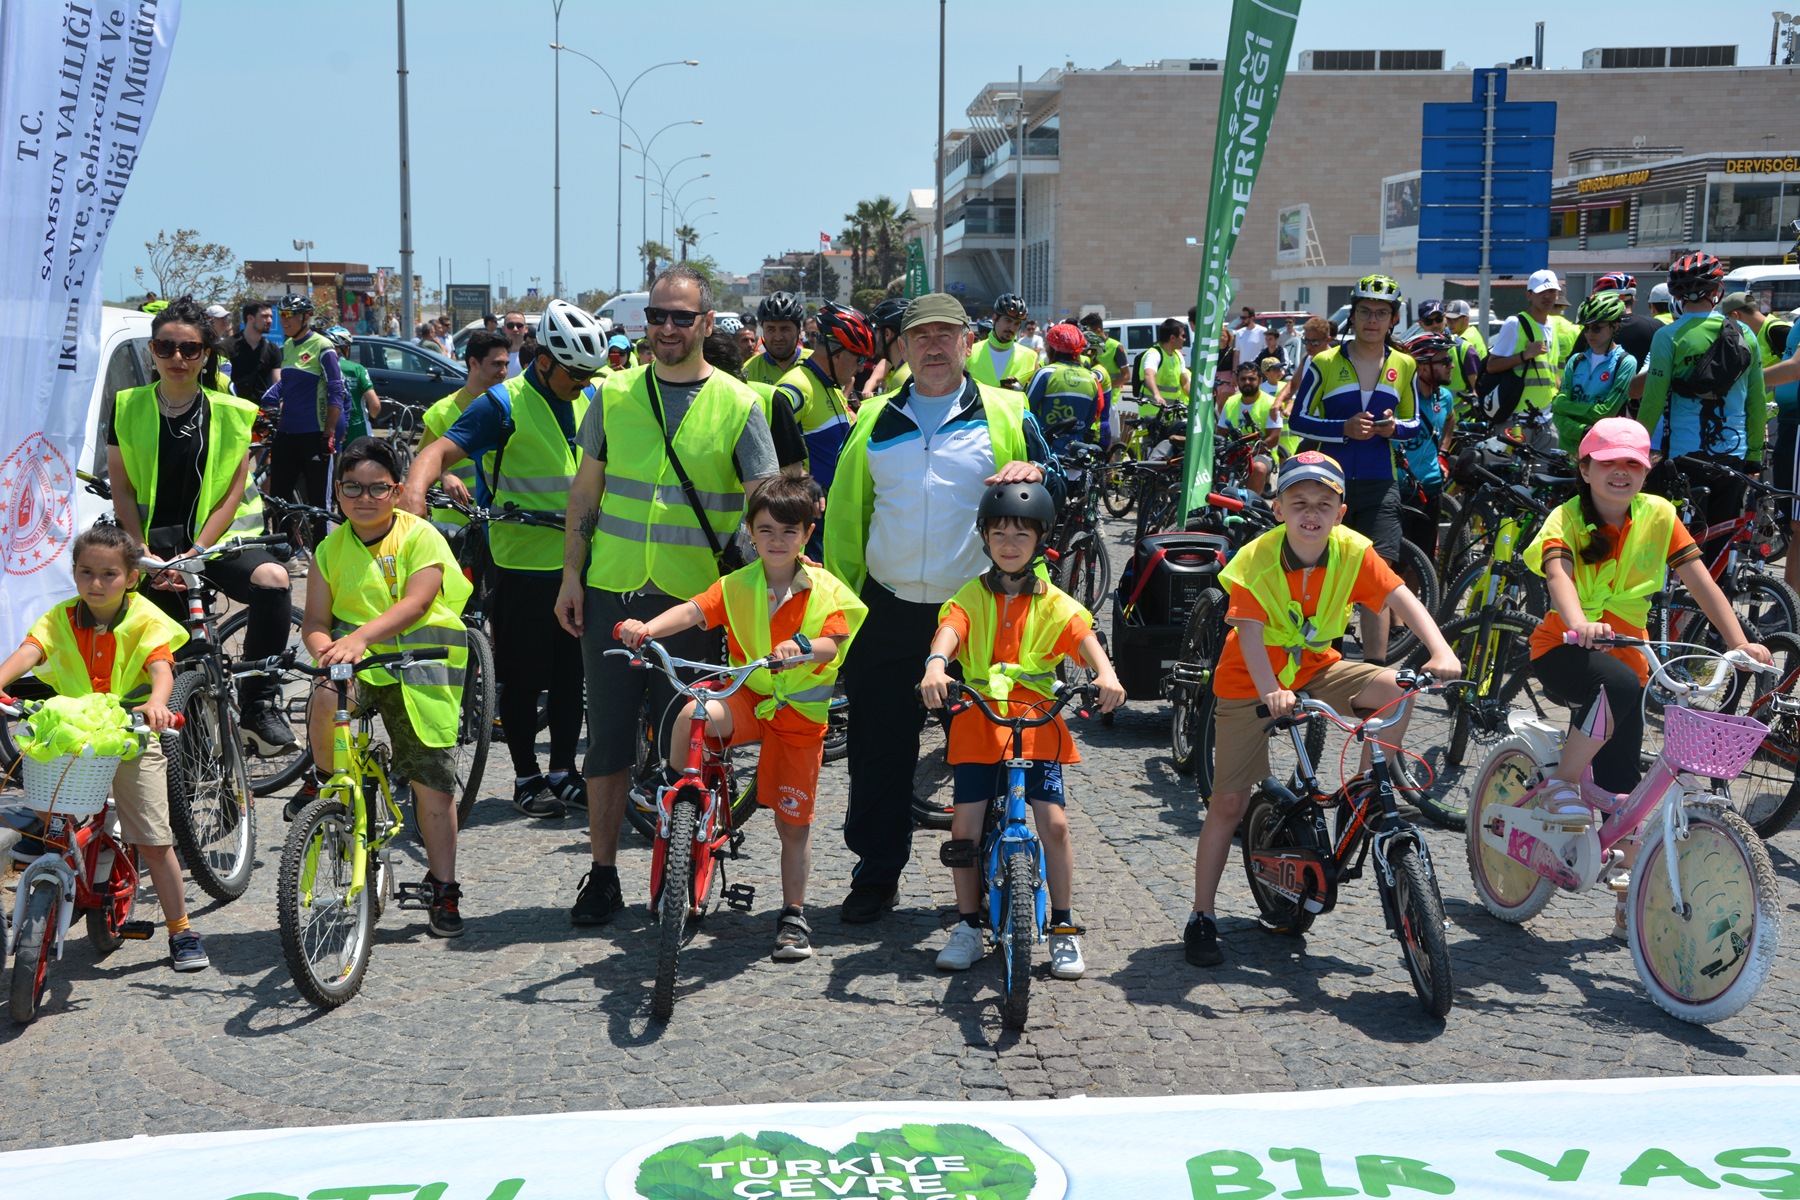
<point x="1784" y="378"/>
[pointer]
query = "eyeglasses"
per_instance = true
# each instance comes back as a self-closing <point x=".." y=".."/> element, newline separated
<point x="169" y="348"/>
<point x="515" y="324"/>
<point x="374" y="491"/>
<point x="1437" y="320"/>
<point x="1373" y="314"/>
<point x="577" y="376"/>
<point x="1315" y="341"/>
<point x="662" y="316"/>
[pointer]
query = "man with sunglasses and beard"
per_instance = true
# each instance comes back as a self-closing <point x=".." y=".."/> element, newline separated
<point x="669" y="457"/>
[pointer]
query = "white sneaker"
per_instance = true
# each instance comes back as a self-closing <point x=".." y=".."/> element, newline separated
<point x="1564" y="801"/>
<point x="1065" y="956"/>
<point x="964" y="950"/>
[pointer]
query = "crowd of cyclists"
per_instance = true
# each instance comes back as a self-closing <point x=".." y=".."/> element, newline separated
<point x="872" y="495"/>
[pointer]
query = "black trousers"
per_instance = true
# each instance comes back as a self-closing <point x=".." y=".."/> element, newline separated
<point x="1579" y="678"/>
<point x="533" y="654"/>
<point x="884" y="666"/>
<point x="296" y="458"/>
<point x="267" y="627"/>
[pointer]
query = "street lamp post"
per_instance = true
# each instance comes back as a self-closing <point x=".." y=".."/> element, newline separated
<point x="406" y="247"/>
<point x="674" y="198"/>
<point x="306" y="248"/>
<point x="643" y="149"/>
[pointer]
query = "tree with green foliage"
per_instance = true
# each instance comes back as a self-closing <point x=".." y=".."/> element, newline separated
<point x="818" y="279"/>
<point x="652" y="253"/>
<point x="686" y="236"/>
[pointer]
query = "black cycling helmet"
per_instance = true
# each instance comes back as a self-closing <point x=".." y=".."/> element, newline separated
<point x="781" y="306"/>
<point x="889" y="314"/>
<point x="1022" y="501"/>
<point x="293" y="302"/>
<point x="1695" y="276"/>
<point x="1010" y="305"/>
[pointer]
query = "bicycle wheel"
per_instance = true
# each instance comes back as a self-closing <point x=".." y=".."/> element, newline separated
<point x="1767" y="792"/>
<point x="1083" y="570"/>
<point x="1468" y="537"/>
<point x="673" y="904"/>
<point x="1705" y="963"/>
<point x="1510" y="890"/>
<point x="646" y="779"/>
<point x="837" y="725"/>
<point x="1117" y="490"/>
<point x="1020" y="936"/>
<point x="277" y="772"/>
<point x="211" y="812"/>
<point x="1765" y="606"/>
<point x="1156" y="507"/>
<point x="1264" y="830"/>
<point x="1191" y="722"/>
<point x="1492" y="652"/>
<point x="1514" y="587"/>
<point x="1417" y="572"/>
<point x="33" y="944"/>
<point x="326" y="933"/>
<point x="1419" y="924"/>
<point x="740" y="772"/>
<point x="476" y="730"/>
<point x="106" y="925"/>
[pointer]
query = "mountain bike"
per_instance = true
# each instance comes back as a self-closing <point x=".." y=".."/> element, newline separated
<point x="1703" y="905"/>
<point x="1151" y="434"/>
<point x="1077" y="550"/>
<point x="696" y="823"/>
<point x="1296" y="865"/>
<point x="1010" y="856"/>
<point x="1767" y="791"/>
<point x="337" y="873"/>
<point x="403" y="429"/>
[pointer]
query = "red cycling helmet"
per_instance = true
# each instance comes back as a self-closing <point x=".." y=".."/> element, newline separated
<point x="849" y="328"/>
<point x="1616" y="281"/>
<point x="1064" y="338"/>
<point x="1428" y="345"/>
<point x="1695" y="276"/>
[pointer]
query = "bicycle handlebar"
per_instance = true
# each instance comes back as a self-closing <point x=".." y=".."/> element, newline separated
<point x="189" y="563"/>
<point x="1063" y="695"/>
<point x="1412" y="683"/>
<point x="668" y="664"/>
<point x="1725" y="660"/>
<point x="1228" y="503"/>
<point x="288" y="660"/>
<point x="1708" y="467"/>
<point x="14" y="708"/>
<point x="438" y="498"/>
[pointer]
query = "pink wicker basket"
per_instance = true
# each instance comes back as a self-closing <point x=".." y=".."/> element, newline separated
<point x="1716" y="745"/>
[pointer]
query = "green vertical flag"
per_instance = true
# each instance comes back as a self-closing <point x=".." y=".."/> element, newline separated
<point x="918" y="282"/>
<point x="1255" y="61"/>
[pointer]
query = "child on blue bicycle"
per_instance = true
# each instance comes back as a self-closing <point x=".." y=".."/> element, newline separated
<point x="110" y="639"/>
<point x="1008" y="629"/>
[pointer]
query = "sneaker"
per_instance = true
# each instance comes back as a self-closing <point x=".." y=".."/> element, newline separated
<point x="1066" y="961"/>
<point x="569" y="789"/>
<point x="535" y="799"/>
<point x="599" y="899"/>
<point x="865" y="905"/>
<point x="1564" y="801"/>
<point x="187" y="952"/>
<point x="266" y="733"/>
<point x="963" y="950"/>
<point x="1201" y="941"/>
<point x="444" y="921"/>
<point x="1618" y="930"/>
<point x="793" y="937"/>
<point x="309" y="791"/>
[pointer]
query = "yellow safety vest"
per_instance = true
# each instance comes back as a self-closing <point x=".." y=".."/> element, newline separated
<point x="437" y="420"/>
<point x="229" y="421"/>
<point x="758" y="368"/>
<point x="1021" y="363"/>
<point x="1540" y="374"/>
<point x="896" y="379"/>
<point x="816" y="404"/>
<point x="141" y="628"/>
<point x="1046" y="616"/>
<point x="362" y="588"/>
<point x="1258" y="567"/>
<point x="1624" y="583"/>
<point x="539" y="465"/>
<point x="1109" y="353"/>
<point x="647" y="531"/>
<point x="807" y="690"/>
<point x="1168" y="374"/>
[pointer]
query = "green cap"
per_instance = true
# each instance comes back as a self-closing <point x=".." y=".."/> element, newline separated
<point x="1736" y="302"/>
<point x="934" y="308"/>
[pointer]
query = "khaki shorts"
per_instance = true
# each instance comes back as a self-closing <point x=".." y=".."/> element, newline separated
<point x="141" y="792"/>
<point x="1241" y="748"/>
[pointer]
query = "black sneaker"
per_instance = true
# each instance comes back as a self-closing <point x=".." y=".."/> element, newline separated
<point x="569" y="789"/>
<point x="535" y="799"/>
<point x="793" y="936"/>
<point x="266" y="733"/>
<point x="187" y="952"/>
<point x="865" y="905"/>
<point x="599" y="899"/>
<point x="444" y="920"/>
<point x="1201" y="940"/>
<point x="309" y="791"/>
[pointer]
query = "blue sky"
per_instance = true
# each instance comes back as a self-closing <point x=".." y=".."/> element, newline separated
<point x="807" y="107"/>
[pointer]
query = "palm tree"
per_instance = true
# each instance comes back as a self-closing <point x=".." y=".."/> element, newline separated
<point x="886" y="226"/>
<point x="686" y="236"/>
<point x="854" y="240"/>
<point x="652" y="252"/>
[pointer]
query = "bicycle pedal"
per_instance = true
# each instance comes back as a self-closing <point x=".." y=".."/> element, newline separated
<point x="413" y="896"/>
<point x="1078" y="930"/>
<point x="740" y="896"/>
<point x="138" y="931"/>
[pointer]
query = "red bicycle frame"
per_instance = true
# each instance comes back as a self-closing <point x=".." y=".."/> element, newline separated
<point x="704" y="777"/>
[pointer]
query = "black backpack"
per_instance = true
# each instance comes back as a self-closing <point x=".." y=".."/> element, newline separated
<point x="1723" y="364"/>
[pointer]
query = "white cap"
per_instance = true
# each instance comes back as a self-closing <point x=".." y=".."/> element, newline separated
<point x="1542" y="281"/>
<point x="215" y="311"/>
<point x="1660" y="294"/>
<point x="1457" y="308"/>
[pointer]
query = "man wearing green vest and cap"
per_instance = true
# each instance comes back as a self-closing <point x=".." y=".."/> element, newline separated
<point x="999" y="360"/>
<point x="1526" y="346"/>
<point x="669" y="456"/>
<point x="900" y="530"/>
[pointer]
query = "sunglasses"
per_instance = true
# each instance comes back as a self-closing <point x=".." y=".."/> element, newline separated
<point x="662" y="316"/>
<point x="577" y="376"/>
<point x="374" y="491"/>
<point x="1437" y="320"/>
<point x="169" y="348"/>
<point x="515" y="324"/>
<point x="1315" y="341"/>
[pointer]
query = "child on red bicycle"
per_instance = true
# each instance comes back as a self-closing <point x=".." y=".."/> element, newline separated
<point x="110" y="639"/>
<point x="1292" y="591"/>
<point x="789" y="606"/>
<point x="1009" y="629"/>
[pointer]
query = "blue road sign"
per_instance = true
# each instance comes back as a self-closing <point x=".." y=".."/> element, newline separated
<point x="1469" y="153"/>
<point x="1507" y="223"/>
<point x="1464" y="257"/>
<point x="1536" y="119"/>
<point x="1530" y="188"/>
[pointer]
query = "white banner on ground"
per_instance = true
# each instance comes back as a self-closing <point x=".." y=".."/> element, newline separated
<point x="1588" y="1140"/>
<point x="78" y="84"/>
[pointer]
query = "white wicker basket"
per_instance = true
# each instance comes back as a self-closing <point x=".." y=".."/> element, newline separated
<point x="69" y="784"/>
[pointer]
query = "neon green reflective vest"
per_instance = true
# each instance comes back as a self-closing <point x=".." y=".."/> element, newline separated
<point x="141" y="628"/>
<point x="1021" y="363"/>
<point x="1168" y="375"/>
<point x="1258" y="567"/>
<point x="647" y="530"/>
<point x="807" y="690"/>
<point x="896" y="379"/>
<point x="816" y="404"/>
<point x="758" y="368"/>
<point x="1541" y="374"/>
<point x="1624" y="583"/>
<point x="1046" y="616"/>
<point x="539" y="465"/>
<point x="229" y="422"/>
<point x="437" y="420"/>
<point x="1109" y="356"/>
<point x="1566" y="334"/>
<point x="765" y="392"/>
<point x="363" y="588"/>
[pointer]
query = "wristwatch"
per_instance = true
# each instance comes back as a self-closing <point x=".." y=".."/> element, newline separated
<point x="805" y="644"/>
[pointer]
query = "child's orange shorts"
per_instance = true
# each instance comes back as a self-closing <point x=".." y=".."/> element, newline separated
<point x="793" y="749"/>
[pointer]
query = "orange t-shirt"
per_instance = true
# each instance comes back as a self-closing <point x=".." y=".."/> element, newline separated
<point x="784" y="623"/>
<point x="1375" y="580"/>
<point x="974" y="738"/>
<point x="1549" y="634"/>
<point x="97" y="650"/>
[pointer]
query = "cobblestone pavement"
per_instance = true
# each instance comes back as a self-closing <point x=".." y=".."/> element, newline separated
<point x="526" y="1014"/>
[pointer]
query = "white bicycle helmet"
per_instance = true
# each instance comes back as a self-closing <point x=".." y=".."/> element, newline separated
<point x="572" y="337"/>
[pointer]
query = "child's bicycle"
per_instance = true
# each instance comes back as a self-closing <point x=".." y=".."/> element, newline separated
<point x="85" y="869"/>
<point x="1010" y="856"/>
<point x="1703" y="907"/>
<point x="337" y="873"/>
<point x="1296" y="864"/>
<point x="696" y="825"/>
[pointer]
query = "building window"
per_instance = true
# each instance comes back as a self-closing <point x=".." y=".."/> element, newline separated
<point x="1662" y="217"/>
<point x="1565" y="229"/>
<point x="1746" y="212"/>
<point x="1037" y="275"/>
<point x="1608" y="228"/>
<point x="1303" y="296"/>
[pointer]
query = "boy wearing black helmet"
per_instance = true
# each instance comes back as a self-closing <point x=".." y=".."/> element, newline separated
<point x="1008" y="629"/>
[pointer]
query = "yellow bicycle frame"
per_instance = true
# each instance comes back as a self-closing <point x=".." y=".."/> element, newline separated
<point x="351" y="764"/>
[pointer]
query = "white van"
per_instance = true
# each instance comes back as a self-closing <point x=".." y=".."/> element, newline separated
<point x="124" y="364"/>
<point x="626" y="312"/>
<point x="1777" y="288"/>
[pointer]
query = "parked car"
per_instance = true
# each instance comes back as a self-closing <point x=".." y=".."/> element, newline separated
<point x="461" y="338"/>
<point x="626" y="312"/>
<point x="404" y="371"/>
<point x="124" y="364"/>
